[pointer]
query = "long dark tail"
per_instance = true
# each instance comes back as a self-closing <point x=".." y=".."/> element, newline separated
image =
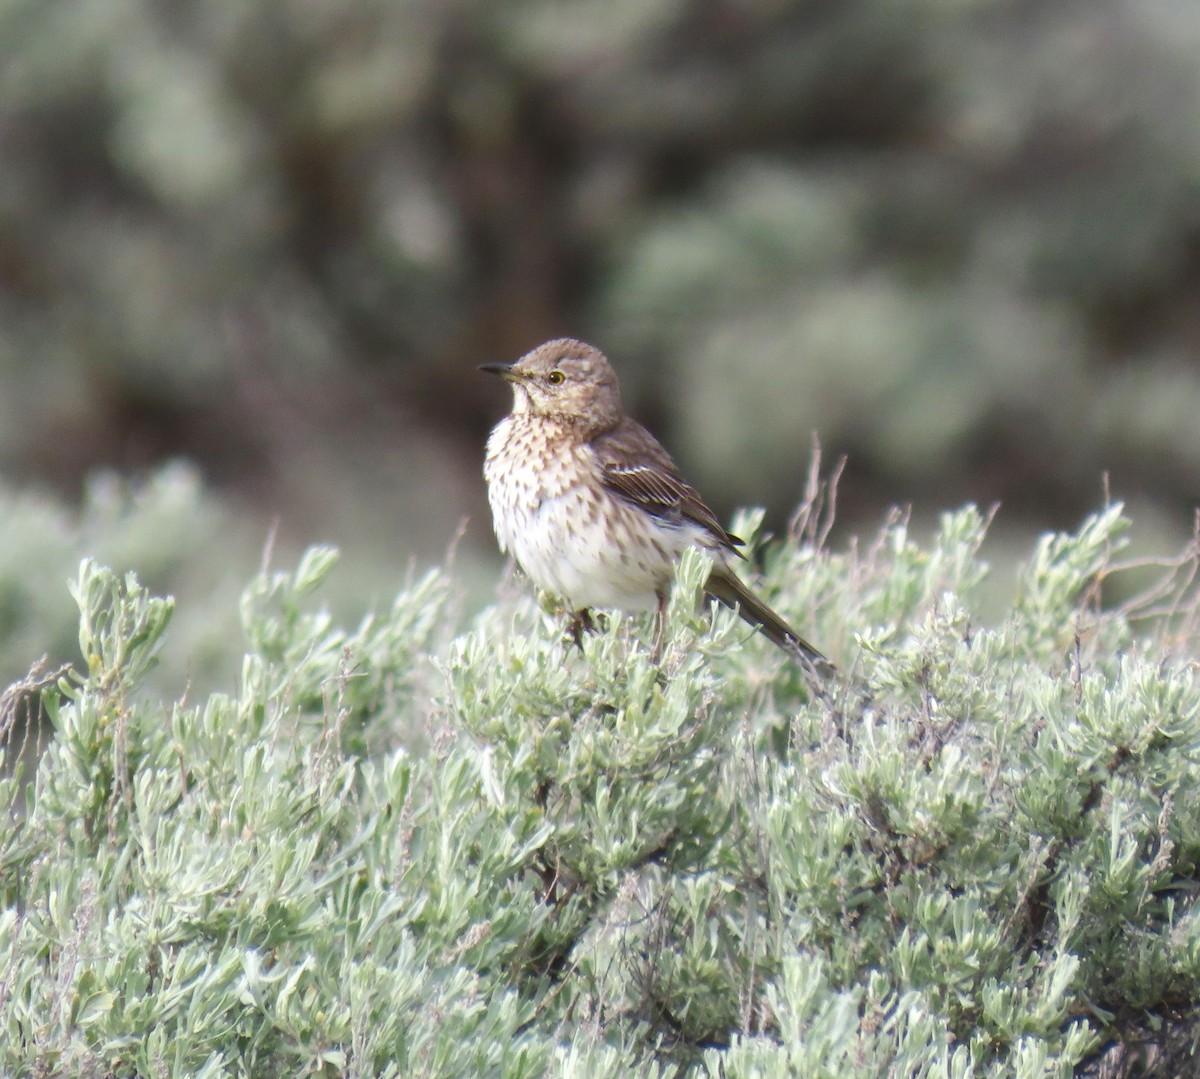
<point x="725" y="587"/>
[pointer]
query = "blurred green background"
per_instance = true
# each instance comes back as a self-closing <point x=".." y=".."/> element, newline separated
<point x="959" y="240"/>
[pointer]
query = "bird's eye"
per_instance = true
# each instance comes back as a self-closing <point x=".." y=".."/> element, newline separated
<point x="555" y="378"/>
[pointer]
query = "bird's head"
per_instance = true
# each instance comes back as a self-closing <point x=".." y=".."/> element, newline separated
<point x="565" y="379"/>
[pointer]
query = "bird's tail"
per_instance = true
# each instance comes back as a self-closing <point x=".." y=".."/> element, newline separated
<point x="724" y="586"/>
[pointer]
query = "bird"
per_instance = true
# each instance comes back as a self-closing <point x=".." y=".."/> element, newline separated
<point x="592" y="507"/>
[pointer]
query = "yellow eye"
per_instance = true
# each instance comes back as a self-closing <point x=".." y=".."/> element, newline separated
<point x="555" y="377"/>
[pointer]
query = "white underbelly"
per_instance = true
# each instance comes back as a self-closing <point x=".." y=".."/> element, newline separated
<point x="624" y="561"/>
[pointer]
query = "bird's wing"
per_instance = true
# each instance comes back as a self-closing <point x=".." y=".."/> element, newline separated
<point x="636" y="468"/>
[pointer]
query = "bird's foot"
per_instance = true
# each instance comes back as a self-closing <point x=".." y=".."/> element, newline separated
<point x="581" y="622"/>
<point x="660" y="627"/>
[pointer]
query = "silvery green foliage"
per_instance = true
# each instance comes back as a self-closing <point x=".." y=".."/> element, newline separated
<point x="389" y="850"/>
<point x="167" y="525"/>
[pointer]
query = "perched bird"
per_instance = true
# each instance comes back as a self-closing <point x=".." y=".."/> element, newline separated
<point x="592" y="507"/>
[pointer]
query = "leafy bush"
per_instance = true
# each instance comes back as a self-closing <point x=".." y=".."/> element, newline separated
<point x="166" y="526"/>
<point x="395" y="851"/>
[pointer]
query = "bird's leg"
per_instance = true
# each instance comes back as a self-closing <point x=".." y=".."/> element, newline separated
<point x="660" y="624"/>
<point x="580" y="623"/>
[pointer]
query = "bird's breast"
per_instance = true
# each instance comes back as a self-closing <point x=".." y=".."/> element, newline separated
<point x="529" y="468"/>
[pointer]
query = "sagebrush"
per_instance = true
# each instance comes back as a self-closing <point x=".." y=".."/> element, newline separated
<point x="415" y="848"/>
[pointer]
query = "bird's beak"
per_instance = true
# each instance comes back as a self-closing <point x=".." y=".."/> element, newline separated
<point x="504" y="370"/>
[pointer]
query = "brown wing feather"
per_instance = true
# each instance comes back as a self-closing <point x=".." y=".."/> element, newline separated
<point x="635" y="467"/>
